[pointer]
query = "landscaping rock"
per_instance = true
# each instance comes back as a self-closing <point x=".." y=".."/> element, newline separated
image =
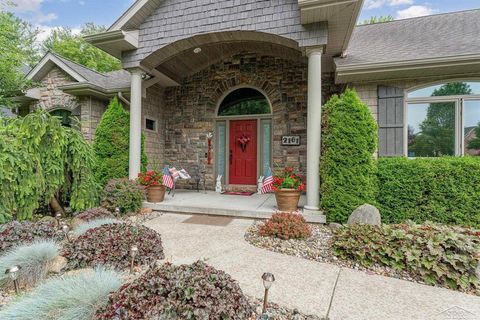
<point x="335" y="226"/>
<point x="49" y="219"/>
<point x="365" y="214"/>
<point x="57" y="264"/>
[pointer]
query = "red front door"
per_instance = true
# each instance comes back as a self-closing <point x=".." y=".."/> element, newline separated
<point x="243" y="152"/>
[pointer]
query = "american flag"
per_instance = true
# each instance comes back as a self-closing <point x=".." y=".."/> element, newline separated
<point x="167" y="178"/>
<point x="267" y="182"/>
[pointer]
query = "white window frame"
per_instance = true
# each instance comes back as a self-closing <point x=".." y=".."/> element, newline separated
<point x="459" y="101"/>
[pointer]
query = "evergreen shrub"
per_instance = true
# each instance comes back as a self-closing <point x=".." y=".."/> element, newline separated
<point x="443" y="190"/>
<point x="111" y="144"/>
<point x="348" y="168"/>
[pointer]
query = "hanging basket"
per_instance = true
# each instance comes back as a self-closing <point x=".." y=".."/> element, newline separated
<point x="287" y="199"/>
<point x="156" y="194"/>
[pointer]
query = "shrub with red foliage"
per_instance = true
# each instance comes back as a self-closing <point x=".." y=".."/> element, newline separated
<point x="195" y="291"/>
<point x="286" y="226"/>
<point x="110" y="245"/>
<point x="94" y="213"/>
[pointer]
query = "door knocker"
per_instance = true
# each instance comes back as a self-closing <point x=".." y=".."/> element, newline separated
<point x="243" y="140"/>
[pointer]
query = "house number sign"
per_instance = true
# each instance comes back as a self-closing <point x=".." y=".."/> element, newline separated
<point x="290" y="140"/>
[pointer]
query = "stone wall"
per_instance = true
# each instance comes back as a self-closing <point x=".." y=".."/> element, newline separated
<point x="154" y="140"/>
<point x="189" y="110"/>
<point x="50" y="96"/>
<point x="92" y="110"/>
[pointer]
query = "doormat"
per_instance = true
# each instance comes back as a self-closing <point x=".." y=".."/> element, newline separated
<point x="238" y="193"/>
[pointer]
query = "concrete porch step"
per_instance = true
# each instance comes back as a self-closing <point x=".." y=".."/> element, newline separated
<point x="211" y="203"/>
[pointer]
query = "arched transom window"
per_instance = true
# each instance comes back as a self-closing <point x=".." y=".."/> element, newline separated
<point x="244" y="101"/>
<point x="444" y="120"/>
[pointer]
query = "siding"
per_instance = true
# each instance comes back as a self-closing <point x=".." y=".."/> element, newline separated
<point x="180" y="19"/>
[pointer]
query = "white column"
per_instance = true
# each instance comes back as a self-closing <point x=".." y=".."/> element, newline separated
<point x="314" y="128"/>
<point x="135" y="124"/>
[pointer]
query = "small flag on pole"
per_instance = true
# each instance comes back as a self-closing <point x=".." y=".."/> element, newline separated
<point x="268" y="182"/>
<point x="167" y="178"/>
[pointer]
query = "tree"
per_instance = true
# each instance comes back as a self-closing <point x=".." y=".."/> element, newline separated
<point x="18" y="51"/>
<point x="40" y="159"/>
<point x="437" y="132"/>
<point x="375" y="19"/>
<point x="111" y="144"/>
<point x="474" y="144"/>
<point x="72" y="46"/>
<point x="347" y="167"/>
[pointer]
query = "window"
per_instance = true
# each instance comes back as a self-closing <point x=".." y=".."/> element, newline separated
<point x="64" y="115"/>
<point x="244" y="101"/>
<point x="444" y="120"/>
<point x="150" y="124"/>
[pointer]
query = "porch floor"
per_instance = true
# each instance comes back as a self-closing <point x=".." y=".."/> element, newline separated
<point x="211" y="203"/>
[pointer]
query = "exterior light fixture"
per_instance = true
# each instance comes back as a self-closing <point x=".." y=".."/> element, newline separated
<point x="133" y="254"/>
<point x="13" y="274"/>
<point x="197" y="50"/>
<point x="58" y="216"/>
<point x="66" y="229"/>
<point x="268" y="280"/>
<point x="117" y="211"/>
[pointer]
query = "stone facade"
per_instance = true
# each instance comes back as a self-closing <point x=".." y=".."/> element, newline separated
<point x="189" y="110"/>
<point x="50" y="96"/>
<point x="89" y="110"/>
<point x="154" y="140"/>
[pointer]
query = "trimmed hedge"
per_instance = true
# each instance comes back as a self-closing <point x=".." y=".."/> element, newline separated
<point x="443" y="190"/>
<point x="347" y="169"/>
<point x="111" y="144"/>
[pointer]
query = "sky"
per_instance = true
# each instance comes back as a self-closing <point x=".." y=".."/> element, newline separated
<point x="48" y="14"/>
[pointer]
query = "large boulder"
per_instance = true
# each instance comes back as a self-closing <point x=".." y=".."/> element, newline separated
<point x="365" y="214"/>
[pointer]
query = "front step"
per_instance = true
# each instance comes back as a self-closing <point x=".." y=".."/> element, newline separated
<point x="240" y="188"/>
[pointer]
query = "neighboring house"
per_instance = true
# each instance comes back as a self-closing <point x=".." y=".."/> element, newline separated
<point x="248" y="78"/>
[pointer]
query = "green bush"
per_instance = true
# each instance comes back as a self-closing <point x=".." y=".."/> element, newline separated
<point x="438" y="255"/>
<point x="444" y="190"/>
<point x="111" y="144"/>
<point x="196" y="291"/>
<point x="32" y="258"/>
<point x="347" y="169"/>
<point x="67" y="298"/>
<point x="124" y="194"/>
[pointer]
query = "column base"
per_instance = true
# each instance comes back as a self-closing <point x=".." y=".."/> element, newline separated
<point x="311" y="208"/>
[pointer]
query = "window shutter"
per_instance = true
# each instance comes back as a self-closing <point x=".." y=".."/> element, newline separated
<point x="390" y="121"/>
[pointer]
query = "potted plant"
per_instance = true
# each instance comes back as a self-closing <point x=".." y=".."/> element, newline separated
<point x="288" y="186"/>
<point x="153" y="181"/>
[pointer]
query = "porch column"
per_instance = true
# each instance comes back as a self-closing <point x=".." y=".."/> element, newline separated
<point x="314" y="128"/>
<point x="135" y="124"/>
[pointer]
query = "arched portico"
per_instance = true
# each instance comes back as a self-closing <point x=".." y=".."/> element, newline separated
<point x="205" y="68"/>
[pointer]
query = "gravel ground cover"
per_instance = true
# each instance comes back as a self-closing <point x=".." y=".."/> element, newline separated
<point x="276" y="312"/>
<point x="318" y="248"/>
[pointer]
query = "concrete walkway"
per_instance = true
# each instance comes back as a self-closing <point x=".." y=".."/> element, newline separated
<point x="312" y="287"/>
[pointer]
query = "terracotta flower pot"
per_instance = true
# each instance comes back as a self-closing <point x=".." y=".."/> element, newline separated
<point x="287" y="199"/>
<point x="156" y="194"/>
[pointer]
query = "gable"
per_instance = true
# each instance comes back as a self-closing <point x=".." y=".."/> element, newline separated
<point x="48" y="62"/>
<point x="175" y="20"/>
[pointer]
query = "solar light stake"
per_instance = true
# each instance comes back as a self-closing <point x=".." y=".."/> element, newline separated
<point x="13" y="274"/>
<point x="133" y="253"/>
<point x="268" y="280"/>
<point x="66" y="229"/>
<point x="58" y="216"/>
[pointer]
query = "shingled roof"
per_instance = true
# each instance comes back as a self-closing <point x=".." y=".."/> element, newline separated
<point x="437" y="36"/>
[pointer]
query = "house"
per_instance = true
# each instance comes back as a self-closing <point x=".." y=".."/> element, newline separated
<point x="237" y="86"/>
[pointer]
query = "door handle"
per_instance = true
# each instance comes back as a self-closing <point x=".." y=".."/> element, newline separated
<point x="231" y="156"/>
